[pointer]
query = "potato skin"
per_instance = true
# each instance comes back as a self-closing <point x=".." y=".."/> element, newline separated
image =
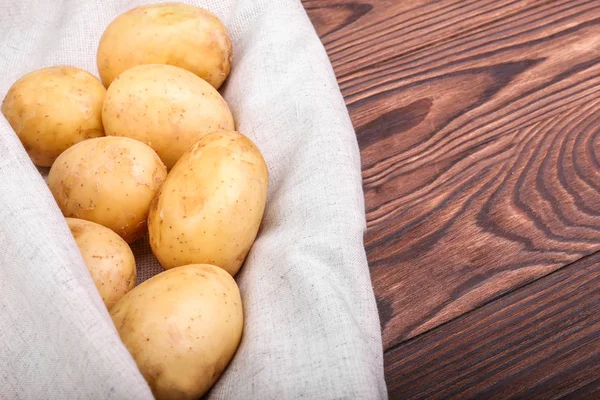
<point x="182" y="327"/>
<point x="170" y="33"/>
<point x="166" y="107"/>
<point x="210" y="207"/>
<point x="51" y="109"/>
<point x="108" y="258"/>
<point x="110" y="181"/>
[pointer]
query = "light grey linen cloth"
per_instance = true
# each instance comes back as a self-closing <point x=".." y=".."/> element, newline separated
<point x="311" y="324"/>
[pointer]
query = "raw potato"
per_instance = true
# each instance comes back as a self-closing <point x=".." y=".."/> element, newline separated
<point x="108" y="258"/>
<point x="210" y="207"/>
<point x="182" y="327"/>
<point x="53" y="108"/>
<point x="166" y="107"/>
<point x="110" y="181"/>
<point x="172" y="33"/>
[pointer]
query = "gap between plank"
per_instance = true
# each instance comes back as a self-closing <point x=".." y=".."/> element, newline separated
<point x="487" y="302"/>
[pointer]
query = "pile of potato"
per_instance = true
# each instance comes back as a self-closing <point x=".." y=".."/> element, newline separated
<point x="155" y="152"/>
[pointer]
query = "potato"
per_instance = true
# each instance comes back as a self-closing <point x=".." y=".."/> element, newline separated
<point x="108" y="258"/>
<point x="110" y="181"/>
<point x="211" y="204"/>
<point x="166" y="107"/>
<point x="53" y="108"/>
<point x="182" y="327"/>
<point x="172" y="33"/>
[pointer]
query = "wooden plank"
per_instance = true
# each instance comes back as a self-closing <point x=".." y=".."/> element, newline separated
<point x="539" y="342"/>
<point x="480" y="159"/>
<point x="479" y="163"/>
<point x="361" y="33"/>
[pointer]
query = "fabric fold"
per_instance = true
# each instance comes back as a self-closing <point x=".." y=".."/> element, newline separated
<point x="311" y="323"/>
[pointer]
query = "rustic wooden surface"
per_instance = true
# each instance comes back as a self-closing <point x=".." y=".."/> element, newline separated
<point x="479" y="128"/>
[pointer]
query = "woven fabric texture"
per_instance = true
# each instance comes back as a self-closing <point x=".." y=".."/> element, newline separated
<point x="311" y="325"/>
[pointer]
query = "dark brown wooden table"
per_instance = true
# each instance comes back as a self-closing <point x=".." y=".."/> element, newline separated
<point x="479" y="128"/>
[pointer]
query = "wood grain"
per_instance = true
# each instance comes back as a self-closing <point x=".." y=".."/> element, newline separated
<point x="589" y="391"/>
<point x="479" y="131"/>
<point x="471" y="184"/>
<point x="540" y="342"/>
<point x="362" y="33"/>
